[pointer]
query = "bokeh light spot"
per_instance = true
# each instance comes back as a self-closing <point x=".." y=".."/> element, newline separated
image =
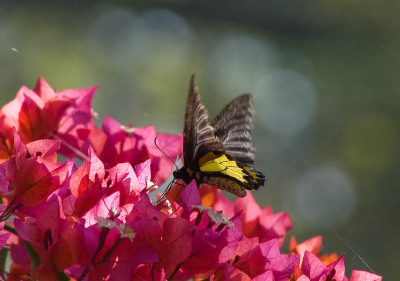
<point x="238" y="62"/>
<point x="288" y="100"/>
<point x="324" y="196"/>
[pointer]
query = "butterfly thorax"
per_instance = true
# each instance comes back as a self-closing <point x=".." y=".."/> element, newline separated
<point x="186" y="174"/>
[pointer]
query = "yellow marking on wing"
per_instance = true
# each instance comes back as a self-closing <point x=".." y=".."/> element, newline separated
<point x="206" y="158"/>
<point x="257" y="175"/>
<point x="225" y="166"/>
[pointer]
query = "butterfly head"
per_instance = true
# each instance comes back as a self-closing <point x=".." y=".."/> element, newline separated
<point x="184" y="174"/>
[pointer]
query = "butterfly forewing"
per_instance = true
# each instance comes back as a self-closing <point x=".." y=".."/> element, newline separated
<point x="199" y="135"/>
<point x="234" y="127"/>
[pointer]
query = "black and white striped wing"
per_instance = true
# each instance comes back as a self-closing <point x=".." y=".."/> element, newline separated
<point x="234" y="127"/>
<point x="199" y="136"/>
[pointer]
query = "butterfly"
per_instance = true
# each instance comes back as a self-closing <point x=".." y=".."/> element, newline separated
<point x="220" y="153"/>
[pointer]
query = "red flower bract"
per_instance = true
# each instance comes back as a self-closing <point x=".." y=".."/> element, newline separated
<point x="96" y="220"/>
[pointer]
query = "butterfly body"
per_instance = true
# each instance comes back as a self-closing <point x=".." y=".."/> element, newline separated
<point x="220" y="153"/>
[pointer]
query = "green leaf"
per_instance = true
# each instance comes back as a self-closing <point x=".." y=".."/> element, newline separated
<point x="62" y="276"/>
<point x="3" y="258"/>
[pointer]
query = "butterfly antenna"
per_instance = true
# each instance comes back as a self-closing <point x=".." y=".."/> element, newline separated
<point x="167" y="189"/>
<point x="73" y="148"/>
<point x="179" y="157"/>
<point x="155" y="143"/>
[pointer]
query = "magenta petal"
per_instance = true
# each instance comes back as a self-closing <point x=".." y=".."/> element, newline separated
<point x="224" y="204"/>
<point x="252" y="262"/>
<point x="44" y="90"/>
<point x="103" y="209"/>
<point x="86" y="200"/>
<point x="123" y="179"/>
<point x="359" y="275"/>
<point x="271" y="252"/>
<point x="251" y="206"/>
<point x="20" y="148"/>
<point x="10" y="112"/>
<point x="312" y="266"/>
<point x="145" y="208"/>
<point x="88" y="175"/>
<point x="233" y="274"/>
<point x="76" y="122"/>
<point x="29" y="118"/>
<point x="115" y="144"/>
<point x="205" y="253"/>
<point x="233" y="237"/>
<point x="287" y="266"/>
<point x="177" y="241"/>
<point x="337" y="270"/>
<point x="246" y="247"/>
<point x="45" y="148"/>
<point x="161" y="166"/>
<point x="265" y="276"/>
<point x="143" y="173"/>
<point x="131" y="255"/>
<point x="274" y="225"/>
<point x="4" y="183"/>
<point x="20" y="254"/>
<point x="148" y="231"/>
<point x="212" y="249"/>
<point x="190" y="197"/>
<point x="113" y="129"/>
<point x="282" y="265"/>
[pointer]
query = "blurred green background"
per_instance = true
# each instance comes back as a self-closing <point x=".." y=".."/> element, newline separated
<point x="324" y="75"/>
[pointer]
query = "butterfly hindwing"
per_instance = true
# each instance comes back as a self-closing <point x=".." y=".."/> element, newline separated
<point x="234" y="127"/>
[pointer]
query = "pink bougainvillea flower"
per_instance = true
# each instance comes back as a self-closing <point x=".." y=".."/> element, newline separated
<point x="312" y="245"/>
<point x="91" y="182"/>
<point x="21" y="266"/>
<point x="76" y="127"/>
<point x="229" y="272"/>
<point x="212" y="248"/>
<point x="358" y="275"/>
<point x="257" y="222"/>
<point x="313" y="269"/>
<point x="43" y="112"/>
<point x="3" y="234"/>
<point x="190" y="198"/>
<point x="34" y="114"/>
<point x="263" y="223"/>
<point x="137" y="145"/>
<point x="255" y="258"/>
<point x="147" y="223"/>
<point x="143" y="173"/>
<point x="214" y="241"/>
<point x="96" y="221"/>
<point x="33" y="173"/>
<point x="56" y="241"/>
<point x="5" y="146"/>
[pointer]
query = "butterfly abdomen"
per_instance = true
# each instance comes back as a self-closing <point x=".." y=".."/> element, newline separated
<point x="225" y="184"/>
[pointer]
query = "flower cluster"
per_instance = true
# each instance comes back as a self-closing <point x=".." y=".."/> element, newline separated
<point x="90" y="217"/>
